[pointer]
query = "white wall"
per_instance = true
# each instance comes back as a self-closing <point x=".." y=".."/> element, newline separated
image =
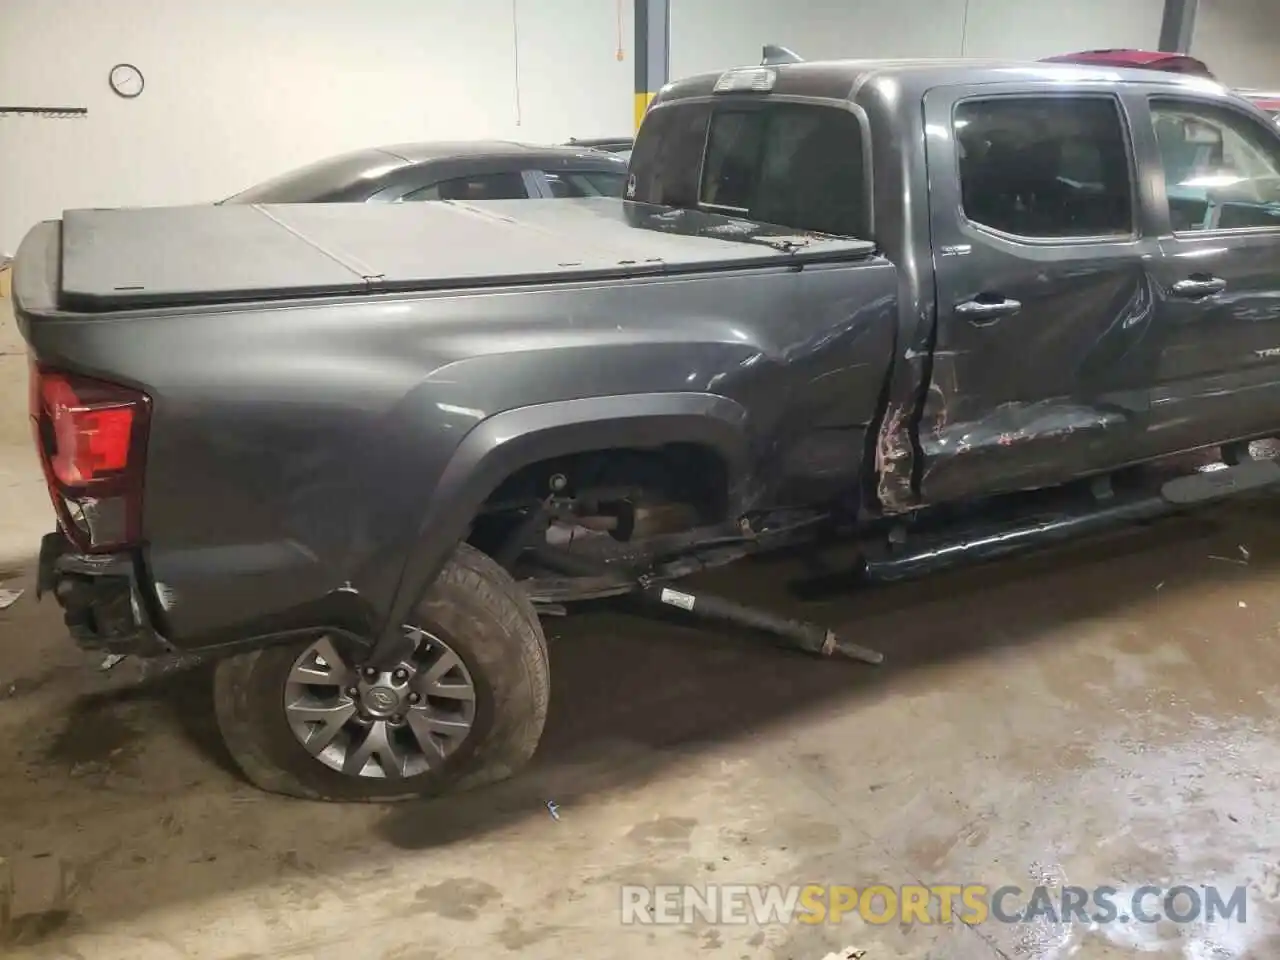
<point x="713" y="34"/>
<point x="1015" y="28"/>
<point x="1240" y="40"/>
<point x="709" y="34"/>
<point x="239" y="90"/>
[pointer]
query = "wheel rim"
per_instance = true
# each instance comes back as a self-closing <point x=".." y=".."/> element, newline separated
<point x="387" y="724"/>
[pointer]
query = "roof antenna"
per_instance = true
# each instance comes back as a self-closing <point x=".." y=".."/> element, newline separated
<point x="774" y="55"/>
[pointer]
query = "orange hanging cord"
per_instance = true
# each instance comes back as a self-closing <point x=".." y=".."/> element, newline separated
<point x="621" y="54"/>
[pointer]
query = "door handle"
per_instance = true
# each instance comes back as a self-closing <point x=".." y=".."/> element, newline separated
<point x="1193" y="289"/>
<point x="977" y="311"/>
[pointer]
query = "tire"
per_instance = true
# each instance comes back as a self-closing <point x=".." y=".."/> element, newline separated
<point x="476" y="609"/>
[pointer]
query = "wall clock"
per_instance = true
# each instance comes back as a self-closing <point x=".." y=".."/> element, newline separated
<point x="126" y="80"/>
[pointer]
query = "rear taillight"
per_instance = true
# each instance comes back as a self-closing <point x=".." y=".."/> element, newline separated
<point x="91" y="437"/>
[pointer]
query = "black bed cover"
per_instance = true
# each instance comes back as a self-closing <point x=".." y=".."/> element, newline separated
<point x="171" y="256"/>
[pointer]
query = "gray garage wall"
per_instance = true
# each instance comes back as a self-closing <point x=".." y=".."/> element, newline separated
<point x="707" y="34"/>
<point x="239" y="90"/>
<point x="1240" y="40"/>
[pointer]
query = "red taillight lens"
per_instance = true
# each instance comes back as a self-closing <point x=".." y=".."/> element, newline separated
<point x="90" y="435"/>
<point x="91" y="440"/>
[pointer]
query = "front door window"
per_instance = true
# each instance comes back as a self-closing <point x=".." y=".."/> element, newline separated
<point x="1221" y="168"/>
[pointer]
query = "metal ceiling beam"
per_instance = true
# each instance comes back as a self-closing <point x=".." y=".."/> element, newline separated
<point x="1178" y="25"/>
<point x="652" y="47"/>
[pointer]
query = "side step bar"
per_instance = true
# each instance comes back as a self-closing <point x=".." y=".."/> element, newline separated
<point x="925" y="554"/>
<point x="1209" y="485"/>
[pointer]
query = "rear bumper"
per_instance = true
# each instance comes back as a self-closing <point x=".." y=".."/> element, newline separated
<point x="101" y="598"/>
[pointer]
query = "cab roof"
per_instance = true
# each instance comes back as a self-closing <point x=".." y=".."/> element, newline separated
<point x="841" y="79"/>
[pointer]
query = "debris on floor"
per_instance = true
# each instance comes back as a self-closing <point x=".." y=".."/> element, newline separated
<point x="553" y="808"/>
<point x="110" y="660"/>
<point x="1244" y="554"/>
<point x="848" y="953"/>
<point x="9" y="597"/>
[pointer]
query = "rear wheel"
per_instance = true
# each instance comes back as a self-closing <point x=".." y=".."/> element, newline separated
<point x="466" y="707"/>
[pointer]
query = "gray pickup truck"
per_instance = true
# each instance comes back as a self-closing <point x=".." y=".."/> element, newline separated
<point x="354" y="452"/>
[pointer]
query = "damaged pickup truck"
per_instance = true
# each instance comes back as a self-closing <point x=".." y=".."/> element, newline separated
<point x="354" y="452"/>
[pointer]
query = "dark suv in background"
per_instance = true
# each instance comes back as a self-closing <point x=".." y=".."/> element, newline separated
<point x="478" y="170"/>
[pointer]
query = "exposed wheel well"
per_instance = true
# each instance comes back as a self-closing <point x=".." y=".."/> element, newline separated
<point x="685" y="473"/>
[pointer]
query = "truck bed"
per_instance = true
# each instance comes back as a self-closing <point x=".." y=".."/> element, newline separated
<point x="171" y="256"/>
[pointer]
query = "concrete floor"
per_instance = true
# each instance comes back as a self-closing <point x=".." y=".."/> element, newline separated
<point x="1104" y="715"/>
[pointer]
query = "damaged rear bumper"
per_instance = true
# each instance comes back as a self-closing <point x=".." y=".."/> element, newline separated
<point x="101" y="598"/>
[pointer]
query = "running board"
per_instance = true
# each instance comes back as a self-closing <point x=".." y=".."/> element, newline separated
<point x="1209" y="485"/>
<point x="989" y="540"/>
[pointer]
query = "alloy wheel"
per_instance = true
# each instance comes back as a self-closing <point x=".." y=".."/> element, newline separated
<point x="386" y="724"/>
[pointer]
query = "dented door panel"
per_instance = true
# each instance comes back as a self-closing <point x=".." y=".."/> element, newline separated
<point x="1054" y="381"/>
<point x="1218" y="376"/>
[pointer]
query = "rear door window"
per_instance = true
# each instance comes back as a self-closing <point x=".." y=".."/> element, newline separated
<point x="1046" y="168"/>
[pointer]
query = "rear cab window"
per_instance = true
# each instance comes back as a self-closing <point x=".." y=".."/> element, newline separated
<point x="788" y="164"/>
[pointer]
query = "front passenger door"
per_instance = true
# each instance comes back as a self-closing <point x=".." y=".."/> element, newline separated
<point x="1218" y="373"/>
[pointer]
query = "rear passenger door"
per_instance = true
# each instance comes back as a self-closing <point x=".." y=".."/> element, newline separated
<point x="1044" y="290"/>
<point x="1218" y="377"/>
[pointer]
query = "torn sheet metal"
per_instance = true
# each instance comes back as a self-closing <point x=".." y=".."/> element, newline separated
<point x="1016" y="446"/>
<point x="895" y="458"/>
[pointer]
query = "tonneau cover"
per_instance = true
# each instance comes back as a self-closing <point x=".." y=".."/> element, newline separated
<point x="170" y="256"/>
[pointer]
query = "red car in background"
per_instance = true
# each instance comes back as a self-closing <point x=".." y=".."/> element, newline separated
<point x="1172" y="62"/>
<point x="1263" y="100"/>
<point x="1141" y="59"/>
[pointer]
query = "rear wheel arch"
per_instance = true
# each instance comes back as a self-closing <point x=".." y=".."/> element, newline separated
<point x="502" y="445"/>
